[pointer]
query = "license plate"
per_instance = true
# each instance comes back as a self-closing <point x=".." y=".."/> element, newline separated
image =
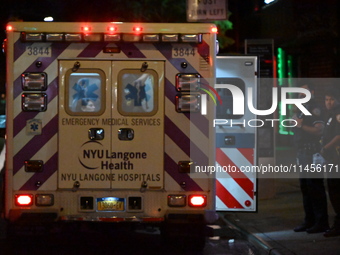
<point x="110" y="204"/>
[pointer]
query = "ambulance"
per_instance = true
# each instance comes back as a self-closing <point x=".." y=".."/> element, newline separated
<point x="105" y="123"/>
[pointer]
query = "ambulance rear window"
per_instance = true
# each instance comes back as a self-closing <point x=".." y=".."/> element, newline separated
<point x="137" y="92"/>
<point x="84" y="92"/>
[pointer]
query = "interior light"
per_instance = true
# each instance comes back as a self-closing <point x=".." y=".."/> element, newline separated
<point x="23" y="200"/>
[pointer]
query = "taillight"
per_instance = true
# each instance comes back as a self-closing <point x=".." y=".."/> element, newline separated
<point x="24" y="200"/>
<point x="197" y="200"/>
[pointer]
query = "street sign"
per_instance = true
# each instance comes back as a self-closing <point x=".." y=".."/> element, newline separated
<point x="206" y="10"/>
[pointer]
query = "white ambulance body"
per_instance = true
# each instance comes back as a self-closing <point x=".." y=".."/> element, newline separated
<point x="104" y="122"/>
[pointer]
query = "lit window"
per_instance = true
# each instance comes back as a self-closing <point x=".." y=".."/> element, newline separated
<point x="137" y="92"/>
<point x="84" y="93"/>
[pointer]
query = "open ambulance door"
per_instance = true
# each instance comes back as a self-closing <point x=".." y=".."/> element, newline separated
<point x="236" y="138"/>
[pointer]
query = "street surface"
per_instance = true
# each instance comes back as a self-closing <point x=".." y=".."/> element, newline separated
<point x="146" y="241"/>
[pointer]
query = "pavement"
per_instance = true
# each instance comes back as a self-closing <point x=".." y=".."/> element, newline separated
<point x="270" y="229"/>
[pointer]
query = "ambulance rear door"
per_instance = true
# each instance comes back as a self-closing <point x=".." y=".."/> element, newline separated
<point x="109" y="111"/>
<point x="235" y="136"/>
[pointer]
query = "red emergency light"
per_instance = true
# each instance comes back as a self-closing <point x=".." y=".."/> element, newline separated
<point x="197" y="200"/>
<point x="24" y="200"/>
<point x="111" y="29"/>
<point x="214" y="30"/>
<point x="9" y="28"/>
<point x="86" y="29"/>
<point x="137" y="29"/>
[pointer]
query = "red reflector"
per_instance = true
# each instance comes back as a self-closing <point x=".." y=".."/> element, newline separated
<point x="197" y="200"/>
<point x="23" y="200"/>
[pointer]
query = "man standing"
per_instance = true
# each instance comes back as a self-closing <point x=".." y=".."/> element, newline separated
<point x="307" y="136"/>
<point x="331" y="152"/>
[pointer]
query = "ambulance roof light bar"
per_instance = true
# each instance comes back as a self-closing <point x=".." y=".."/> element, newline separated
<point x="101" y="27"/>
<point x="110" y="36"/>
<point x="112" y="32"/>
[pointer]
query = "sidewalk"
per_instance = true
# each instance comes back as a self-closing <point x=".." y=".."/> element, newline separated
<point x="272" y="226"/>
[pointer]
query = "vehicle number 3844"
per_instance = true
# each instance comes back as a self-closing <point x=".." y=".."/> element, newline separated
<point x="36" y="50"/>
<point x="179" y="52"/>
